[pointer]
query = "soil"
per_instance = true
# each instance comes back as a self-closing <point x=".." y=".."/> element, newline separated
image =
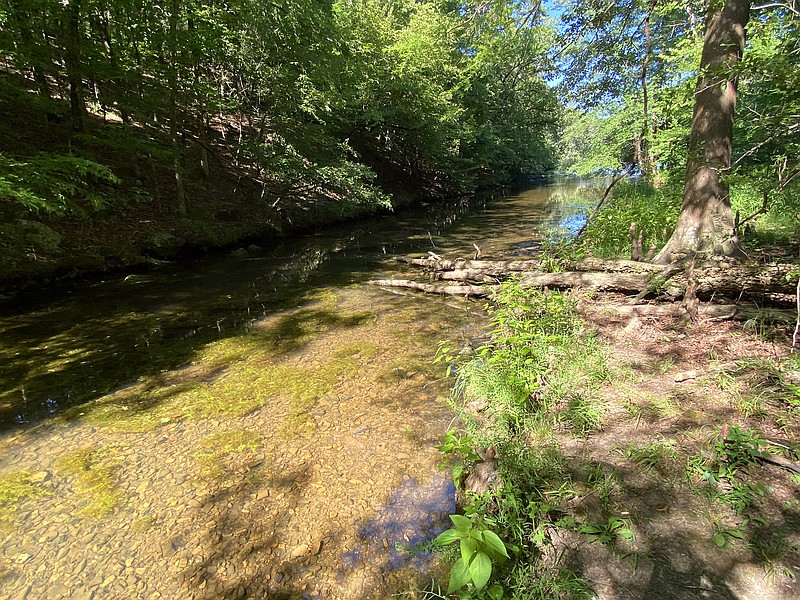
<point x="683" y="387"/>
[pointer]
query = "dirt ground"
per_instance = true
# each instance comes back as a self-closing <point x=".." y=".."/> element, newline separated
<point x="675" y="392"/>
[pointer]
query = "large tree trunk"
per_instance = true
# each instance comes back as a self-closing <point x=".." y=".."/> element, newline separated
<point x="706" y="221"/>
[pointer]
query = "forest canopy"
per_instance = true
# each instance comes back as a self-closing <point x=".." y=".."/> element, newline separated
<point x="351" y="100"/>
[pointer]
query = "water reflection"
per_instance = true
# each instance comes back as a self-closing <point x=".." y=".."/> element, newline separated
<point x="76" y="343"/>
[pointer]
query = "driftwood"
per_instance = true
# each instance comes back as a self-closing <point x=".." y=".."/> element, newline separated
<point x="704" y="279"/>
<point x="491" y="266"/>
<point x="451" y="290"/>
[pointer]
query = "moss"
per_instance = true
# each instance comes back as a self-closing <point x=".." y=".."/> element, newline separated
<point x="215" y="448"/>
<point x="248" y="382"/>
<point x="143" y="524"/>
<point x="94" y="473"/>
<point x="16" y="487"/>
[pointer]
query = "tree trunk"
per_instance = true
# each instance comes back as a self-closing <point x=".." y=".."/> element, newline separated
<point x="706" y="220"/>
<point x="177" y="147"/>
<point x="72" y="61"/>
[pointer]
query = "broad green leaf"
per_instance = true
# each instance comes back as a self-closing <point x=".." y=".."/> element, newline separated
<point x="461" y="522"/>
<point x="719" y="539"/>
<point x="481" y="569"/>
<point x="493" y="541"/>
<point x="468" y="548"/>
<point x="446" y="537"/>
<point x="625" y="533"/>
<point x="459" y="576"/>
<point x="496" y="592"/>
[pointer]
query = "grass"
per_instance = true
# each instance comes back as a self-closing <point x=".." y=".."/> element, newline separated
<point x="541" y="370"/>
<point x="656" y="455"/>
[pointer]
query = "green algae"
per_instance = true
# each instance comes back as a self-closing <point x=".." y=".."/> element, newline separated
<point x="15" y="487"/>
<point x="94" y="474"/>
<point x="229" y="390"/>
<point x="215" y="448"/>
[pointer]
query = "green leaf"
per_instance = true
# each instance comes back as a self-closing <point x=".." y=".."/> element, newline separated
<point x="496" y="592"/>
<point x="461" y="522"/>
<point x="459" y="576"/>
<point x="493" y="541"/>
<point x="446" y="537"/>
<point x="735" y="533"/>
<point x="625" y="533"/>
<point x="481" y="569"/>
<point x="719" y="539"/>
<point x="468" y="548"/>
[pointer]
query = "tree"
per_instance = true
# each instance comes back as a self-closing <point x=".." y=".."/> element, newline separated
<point x="706" y="222"/>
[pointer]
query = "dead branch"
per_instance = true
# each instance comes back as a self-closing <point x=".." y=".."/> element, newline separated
<point x="709" y="312"/>
<point x="596" y="210"/>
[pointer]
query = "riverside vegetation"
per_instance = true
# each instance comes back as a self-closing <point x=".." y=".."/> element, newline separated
<point x="613" y="472"/>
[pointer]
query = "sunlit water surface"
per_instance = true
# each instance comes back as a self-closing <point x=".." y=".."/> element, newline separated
<point x="265" y="422"/>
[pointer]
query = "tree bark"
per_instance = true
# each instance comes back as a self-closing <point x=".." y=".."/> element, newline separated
<point x="706" y="221"/>
<point x="72" y="62"/>
<point x="177" y="147"/>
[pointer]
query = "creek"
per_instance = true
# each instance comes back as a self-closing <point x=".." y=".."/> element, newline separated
<point x="259" y="424"/>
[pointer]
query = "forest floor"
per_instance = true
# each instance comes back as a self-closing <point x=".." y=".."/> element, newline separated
<point x="702" y="527"/>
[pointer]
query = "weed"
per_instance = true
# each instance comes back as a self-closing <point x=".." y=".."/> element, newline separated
<point x="480" y="549"/>
<point x="458" y="452"/>
<point x="609" y="532"/>
<point x="772" y="553"/>
<point x="724" y="535"/>
<point x="652" y="456"/>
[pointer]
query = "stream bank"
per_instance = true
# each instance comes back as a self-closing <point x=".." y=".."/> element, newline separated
<point x="263" y="426"/>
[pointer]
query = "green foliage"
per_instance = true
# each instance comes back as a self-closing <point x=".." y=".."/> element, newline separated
<point x="652" y="456"/>
<point x="655" y="212"/>
<point x="539" y="362"/>
<point x="607" y="533"/>
<point x="480" y="549"/>
<point x="56" y="183"/>
<point x="458" y="452"/>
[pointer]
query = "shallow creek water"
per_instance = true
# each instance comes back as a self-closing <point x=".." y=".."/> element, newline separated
<point x="259" y="425"/>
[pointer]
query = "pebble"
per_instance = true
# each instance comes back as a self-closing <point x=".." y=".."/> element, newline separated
<point x="320" y="489"/>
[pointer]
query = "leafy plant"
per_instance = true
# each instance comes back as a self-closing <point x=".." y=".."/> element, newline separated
<point x="480" y="548"/>
<point x="723" y="535"/>
<point x="55" y="183"/>
<point x="459" y="451"/>
<point x="607" y="533"/>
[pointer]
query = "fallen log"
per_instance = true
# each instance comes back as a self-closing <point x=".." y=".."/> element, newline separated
<point x="591" y="263"/>
<point x="617" y="282"/>
<point x="490" y="266"/>
<point x="451" y="290"/>
<point x="607" y="282"/>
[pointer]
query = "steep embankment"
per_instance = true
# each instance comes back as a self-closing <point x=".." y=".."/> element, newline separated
<point x="78" y="203"/>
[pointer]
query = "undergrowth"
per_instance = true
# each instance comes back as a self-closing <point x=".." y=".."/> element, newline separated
<point x="541" y="371"/>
